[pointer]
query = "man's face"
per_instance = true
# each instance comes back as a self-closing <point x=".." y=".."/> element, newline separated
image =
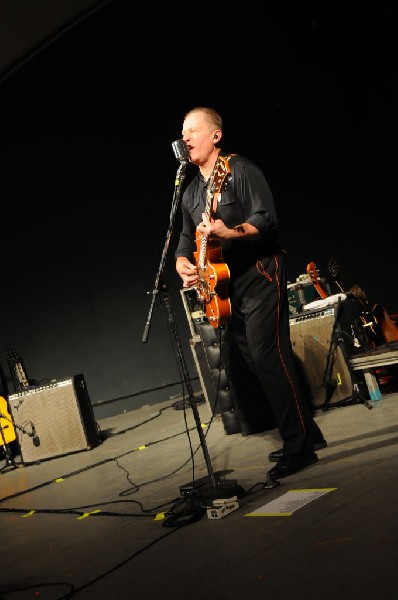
<point x="198" y="134"/>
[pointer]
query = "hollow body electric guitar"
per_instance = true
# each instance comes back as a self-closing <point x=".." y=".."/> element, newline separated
<point x="214" y="275"/>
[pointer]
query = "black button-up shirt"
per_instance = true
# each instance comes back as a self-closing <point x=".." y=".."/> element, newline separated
<point x="245" y="198"/>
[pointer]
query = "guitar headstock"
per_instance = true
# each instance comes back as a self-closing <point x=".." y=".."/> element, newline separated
<point x="221" y="170"/>
<point x="12" y="356"/>
<point x="312" y="271"/>
<point x="334" y="268"/>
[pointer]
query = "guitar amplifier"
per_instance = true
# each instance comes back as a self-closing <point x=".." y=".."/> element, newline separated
<point x="61" y="416"/>
<point x="322" y="341"/>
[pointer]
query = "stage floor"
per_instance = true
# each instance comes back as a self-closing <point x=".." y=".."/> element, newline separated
<point x="121" y="520"/>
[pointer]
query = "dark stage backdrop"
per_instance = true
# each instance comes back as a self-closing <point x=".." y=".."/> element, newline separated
<point x="88" y="174"/>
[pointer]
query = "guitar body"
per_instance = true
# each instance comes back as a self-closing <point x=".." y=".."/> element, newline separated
<point x="374" y="334"/>
<point x="214" y="275"/>
<point x="212" y="288"/>
<point x="7" y="430"/>
<point x="385" y="323"/>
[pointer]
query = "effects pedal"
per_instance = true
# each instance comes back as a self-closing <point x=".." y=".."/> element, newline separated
<point x="221" y="508"/>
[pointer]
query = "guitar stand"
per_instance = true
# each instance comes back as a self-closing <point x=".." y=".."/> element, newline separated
<point x="10" y="463"/>
<point x="329" y="383"/>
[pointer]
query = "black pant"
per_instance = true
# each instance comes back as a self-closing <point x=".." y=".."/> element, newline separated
<point x="260" y="345"/>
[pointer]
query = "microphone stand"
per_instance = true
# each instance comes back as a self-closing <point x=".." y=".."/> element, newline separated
<point x="218" y="489"/>
<point x="22" y="429"/>
<point x="330" y="385"/>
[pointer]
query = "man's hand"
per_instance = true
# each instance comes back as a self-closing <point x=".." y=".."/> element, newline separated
<point x="187" y="271"/>
<point x="213" y="228"/>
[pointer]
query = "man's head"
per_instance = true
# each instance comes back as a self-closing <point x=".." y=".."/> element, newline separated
<point x="202" y="131"/>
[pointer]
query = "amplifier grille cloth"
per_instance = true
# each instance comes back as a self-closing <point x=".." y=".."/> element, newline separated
<point x="63" y="421"/>
<point x="311" y="340"/>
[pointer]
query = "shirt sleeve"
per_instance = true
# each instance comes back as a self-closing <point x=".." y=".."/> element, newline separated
<point x="186" y="243"/>
<point x="257" y="200"/>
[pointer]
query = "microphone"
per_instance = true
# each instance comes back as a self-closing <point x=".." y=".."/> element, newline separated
<point x="35" y="437"/>
<point x="181" y="151"/>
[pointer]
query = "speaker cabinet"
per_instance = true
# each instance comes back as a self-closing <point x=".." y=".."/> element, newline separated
<point x="321" y="345"/>
<point x="61" y="414"/>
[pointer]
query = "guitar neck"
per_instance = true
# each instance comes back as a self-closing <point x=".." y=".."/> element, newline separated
<point x="213" y="186"/>
<point x="18" y="373"/>
<point x="320" y="291"/>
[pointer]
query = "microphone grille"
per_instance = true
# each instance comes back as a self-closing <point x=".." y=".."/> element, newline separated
<point x="181" y="150"/>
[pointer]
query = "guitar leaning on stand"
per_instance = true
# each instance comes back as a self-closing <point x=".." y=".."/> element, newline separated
<point x="379" y="327"/>
<point x="7" y="435"/>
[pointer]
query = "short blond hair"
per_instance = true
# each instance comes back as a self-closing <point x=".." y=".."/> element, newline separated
<point x="212" y="116"/>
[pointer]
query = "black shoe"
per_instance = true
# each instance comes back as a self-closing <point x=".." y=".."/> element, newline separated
<point x="289" y="464"/>
<point x="277" y="454"/>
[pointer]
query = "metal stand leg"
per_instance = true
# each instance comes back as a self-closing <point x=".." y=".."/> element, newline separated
<point x="10" y="463"/>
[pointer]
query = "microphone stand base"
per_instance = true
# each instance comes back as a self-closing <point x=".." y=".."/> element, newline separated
<point x="207" y="493"/>
<point x="9" y="466"/>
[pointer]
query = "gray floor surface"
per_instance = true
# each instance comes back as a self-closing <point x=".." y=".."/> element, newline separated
<point x="122" y="520"/>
